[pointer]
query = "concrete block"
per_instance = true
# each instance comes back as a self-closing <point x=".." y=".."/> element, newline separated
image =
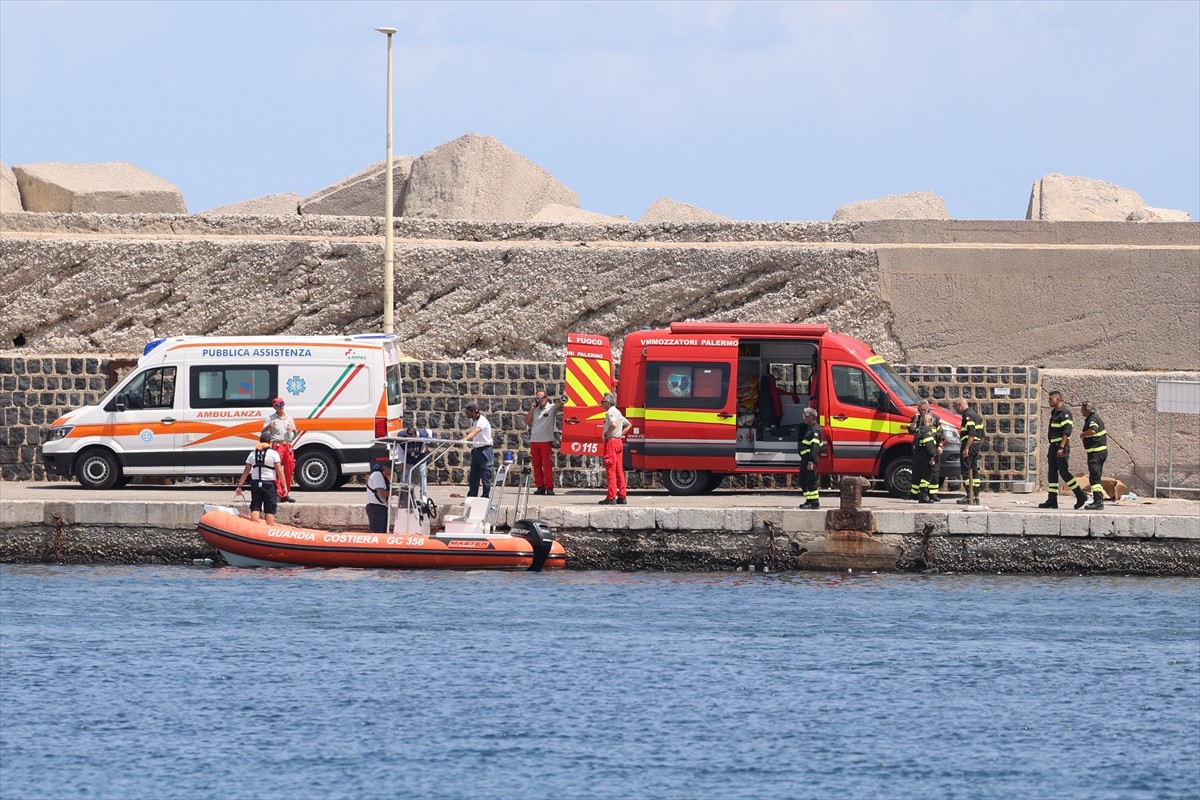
<point x="271" y="205"/>
<point x="179" y="516"/>
<point x="797" y="521"/>
<point x="106" y="512"/>
<point x="16" y="513"/>
<point x="966" y="523"/>
<point x="938" y="521"/>
<point x="1075" y="524"/>
<point x="551" y="515"/>
<point x="1177" y="528"/>
<point x="738" y="519"/>
<point x="10" y="195"/>
<point x="610" y="518"/>
<point x="1103" y="526"/>
<point x="361" y="194"/>
<point x="666" y="519"/>
<point x="700" y="519"/>
<point x="477" y="178"/>
<point x="114" y="187"/>
<point x="1001" y="524"/>
<point x="774" y="516"/>
<point x="1042" y="524"/>
<point x="575" y="518"/>
<point x="895" y="521"/>
<point x="640" y="519"/>
<point x="1142" y="526"/>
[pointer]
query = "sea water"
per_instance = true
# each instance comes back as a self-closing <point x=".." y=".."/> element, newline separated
<point x="174" y="682"/>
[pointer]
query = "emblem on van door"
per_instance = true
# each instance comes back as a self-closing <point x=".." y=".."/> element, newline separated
<point x="146" y="435"/>
<point x="353" y="356"/>
<point x="679" y="384"/>
<point x="295" y="385"/>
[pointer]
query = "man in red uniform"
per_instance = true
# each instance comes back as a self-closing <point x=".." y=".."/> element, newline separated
<point x="615" y="428"/>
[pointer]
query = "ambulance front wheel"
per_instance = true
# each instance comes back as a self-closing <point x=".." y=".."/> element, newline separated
<point x="98" y="469"/>
<point x="316" y="471"/>
<point x="685" y="481"/>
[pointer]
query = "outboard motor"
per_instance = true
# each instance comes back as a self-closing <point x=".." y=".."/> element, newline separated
<point x="538" y="534"/>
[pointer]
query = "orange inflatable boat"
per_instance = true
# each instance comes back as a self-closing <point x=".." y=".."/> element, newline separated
<point x="246" y="543"/>
<point x="469" y="540"/>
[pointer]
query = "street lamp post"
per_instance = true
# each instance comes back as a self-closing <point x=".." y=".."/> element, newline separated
<point x="389" y="300"/>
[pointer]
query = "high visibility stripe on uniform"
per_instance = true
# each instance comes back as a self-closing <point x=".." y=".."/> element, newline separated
<point x="1096" y="449"/>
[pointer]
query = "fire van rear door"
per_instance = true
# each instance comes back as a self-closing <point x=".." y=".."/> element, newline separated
<point x="588" y="379"/>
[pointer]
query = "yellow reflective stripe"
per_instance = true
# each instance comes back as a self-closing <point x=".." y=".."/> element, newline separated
<point x="635" y="413"/>
<point x="589" y="384"/>
<point x="1096" y="449"/>
<point x="665" y="415"/>
<point x="869" y="424"/>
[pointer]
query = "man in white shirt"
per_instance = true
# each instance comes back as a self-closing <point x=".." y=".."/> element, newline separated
<point x="539" y="419"/>
<point x="615" y="429"/>
<point x="377" y="497"/>
<point x="482" y="462"/>
<point x="283" y="432"/>
<point x="261" y="466"/>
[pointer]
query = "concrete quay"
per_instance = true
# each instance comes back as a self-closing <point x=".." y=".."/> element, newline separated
<point x="60" y="522"/>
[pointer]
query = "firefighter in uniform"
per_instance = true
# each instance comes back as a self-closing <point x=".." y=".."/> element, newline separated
<point x="1095" y="444"/>
<point x="935" y="477"/>
<point x="1058" y="452"/>
<point x="810" y="450"/>
<point x="970" y="430"/>
<point x="925" y="456"/>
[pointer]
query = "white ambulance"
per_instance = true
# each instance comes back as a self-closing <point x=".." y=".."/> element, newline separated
<point x="195" y="406"/>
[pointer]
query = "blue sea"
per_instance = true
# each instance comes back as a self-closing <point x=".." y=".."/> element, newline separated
<point x="199" y="682"/>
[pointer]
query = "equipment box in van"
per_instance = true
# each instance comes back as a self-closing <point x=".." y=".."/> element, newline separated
<point x="713" y="399"/>
<point x="195" y="406"/>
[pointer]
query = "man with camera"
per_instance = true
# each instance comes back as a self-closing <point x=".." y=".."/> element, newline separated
<point x="539" y="420"/>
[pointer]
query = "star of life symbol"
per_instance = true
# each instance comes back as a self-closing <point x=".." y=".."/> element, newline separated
<point x="295" y="385"/>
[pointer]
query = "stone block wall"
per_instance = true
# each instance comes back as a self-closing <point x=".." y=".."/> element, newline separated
<point x="35" y="390"/>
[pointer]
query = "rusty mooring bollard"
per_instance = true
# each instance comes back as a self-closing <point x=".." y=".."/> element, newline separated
<point x="850" y="516"/>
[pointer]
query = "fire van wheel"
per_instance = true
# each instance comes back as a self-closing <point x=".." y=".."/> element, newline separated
<point x="685" y="481"/>
<point x="897" y="476"/>
<point x="316" y="471"/>
<point x="98" y="469"/>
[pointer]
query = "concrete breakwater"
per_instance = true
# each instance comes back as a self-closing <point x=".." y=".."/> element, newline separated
<point x="651" y="534"/>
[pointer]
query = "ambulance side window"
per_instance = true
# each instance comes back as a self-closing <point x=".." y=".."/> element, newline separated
<point x="692" y="385"/>
<point x="154" y="388"/>
<point x="854" y="387"/>
<point x="238" y="386"/>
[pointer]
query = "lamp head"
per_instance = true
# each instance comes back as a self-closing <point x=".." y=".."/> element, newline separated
<point x="388" y="31"/>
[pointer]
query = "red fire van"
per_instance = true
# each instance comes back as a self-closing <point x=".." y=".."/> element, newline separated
<point x="710" y="399"/>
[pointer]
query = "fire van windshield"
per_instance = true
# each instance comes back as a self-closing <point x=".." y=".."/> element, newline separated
<point x="903" y="390"/>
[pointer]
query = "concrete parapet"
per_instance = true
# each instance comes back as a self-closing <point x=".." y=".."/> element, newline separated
<point x="1177" y="528"/>
<point x="17" y="513"/>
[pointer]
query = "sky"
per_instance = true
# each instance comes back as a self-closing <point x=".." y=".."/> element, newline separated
<point x="754" y="110"/>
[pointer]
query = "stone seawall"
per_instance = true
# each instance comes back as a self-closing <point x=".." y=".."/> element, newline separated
<point x="672" y="538"/>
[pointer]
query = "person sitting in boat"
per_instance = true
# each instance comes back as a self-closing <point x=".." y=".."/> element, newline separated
<point x="378" y="488"/>
<point x="261" y="466"/>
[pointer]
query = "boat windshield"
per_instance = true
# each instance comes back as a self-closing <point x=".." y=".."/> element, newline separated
<point x="896" y="382"/>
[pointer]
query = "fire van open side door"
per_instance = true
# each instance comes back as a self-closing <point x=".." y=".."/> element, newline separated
<point x="588" y="379"/>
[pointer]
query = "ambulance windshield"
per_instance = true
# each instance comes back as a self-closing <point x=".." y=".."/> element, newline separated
<point x="900" y="387"/>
